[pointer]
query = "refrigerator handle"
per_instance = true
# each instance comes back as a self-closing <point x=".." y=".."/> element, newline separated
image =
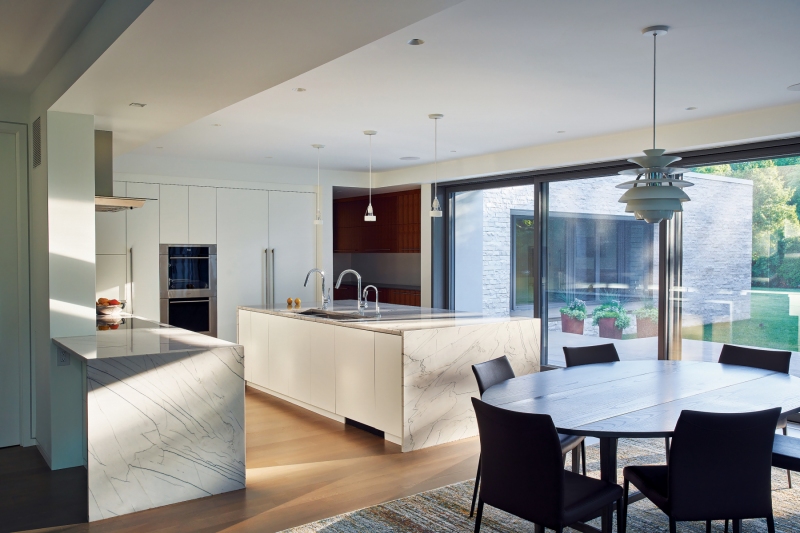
<point x="266" y="278"/>
<point x="130" y="303"/>
<point x="272" y="278"/>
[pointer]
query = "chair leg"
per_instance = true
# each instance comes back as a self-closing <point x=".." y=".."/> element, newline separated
<point x="770" y="524"/>
<point x="575" y="465"/>
<point x="583" y="456"/>
<point x="708" y="526"/>
<point x="666" y="447"/>
<point x="788" y="472"/>
<point x="479" y="516"/>
<point x="475" y="491"/>
<point x="726" y="525"/>
<point x="620" y="517"/>
<point x="673" y="526"/>
<point x="538" y="529"/>
<point x="737" y="526"/>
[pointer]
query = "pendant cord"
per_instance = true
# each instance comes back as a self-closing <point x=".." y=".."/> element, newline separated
<point x="654" y="89"/>
<point x="318" y="187"/>
<point x="435" y="155"/>
<point x="370" y="170"/>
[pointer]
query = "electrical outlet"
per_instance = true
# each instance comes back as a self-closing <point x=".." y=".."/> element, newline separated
<point x="62" y="357"/>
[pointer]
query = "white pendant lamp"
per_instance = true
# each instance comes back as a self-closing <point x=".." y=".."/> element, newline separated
<point x="436" y="209"/>
<point x="318" y="218"/>
<point x="369" y="216"/>
<point x="656" y="193"/>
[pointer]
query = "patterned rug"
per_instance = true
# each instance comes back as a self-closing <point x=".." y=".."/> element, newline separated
<point x="447" y="509"/>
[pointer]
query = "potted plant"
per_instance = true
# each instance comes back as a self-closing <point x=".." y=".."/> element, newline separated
<point x="572" y="317"/>
<point x="611" y="318"/>
<point x="646" y="321"/>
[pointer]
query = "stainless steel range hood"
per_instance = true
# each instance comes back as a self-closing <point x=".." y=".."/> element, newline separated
<point x="104" y="199"/>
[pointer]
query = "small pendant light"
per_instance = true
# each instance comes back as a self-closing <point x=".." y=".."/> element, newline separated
<point x="436" y="209"/>
<point x="318" y="219"/>
<point x="369" y="216"/>
<point x="656" y="193"/>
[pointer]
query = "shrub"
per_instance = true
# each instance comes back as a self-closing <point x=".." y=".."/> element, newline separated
<point x="648" y="312"/>
<point x="612" y="309"/>
<point x="789" y="273"/>
<point x="576" y="309"/>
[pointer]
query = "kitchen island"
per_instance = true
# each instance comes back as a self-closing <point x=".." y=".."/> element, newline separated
<point x="406" y="373"/>
<point x="163" y="414"/>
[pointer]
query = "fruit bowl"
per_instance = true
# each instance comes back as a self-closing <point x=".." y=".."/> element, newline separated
<point x="113" y="307"/>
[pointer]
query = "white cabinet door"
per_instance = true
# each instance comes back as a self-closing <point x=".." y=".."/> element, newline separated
<point x="292" y="235"/>
<point x="174" y="200"/>
<point x="202" y="215"/>
<point x="111" y="275"/>
<point x="244" y="338"/>
<point x="322" y="366"/>
<point x="257" y="357"/>
<point x="355" y="374"/>
<point x="389" y="383"/>
<point x="242" y="238"/>
<point x="142" y="230"/>
<point x="110" y="228"/>
<point x="286" y="348"/>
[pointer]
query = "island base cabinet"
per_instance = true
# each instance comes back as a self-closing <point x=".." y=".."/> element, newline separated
<point x="322" y="371"/>
<point x="243" y="337"/>
<point x="258" y="352"/>
<point x="389" y="384"/>
<point x="355" y="374"/>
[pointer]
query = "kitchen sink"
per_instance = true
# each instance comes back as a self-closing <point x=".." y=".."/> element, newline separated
<point x="335" y="315"/>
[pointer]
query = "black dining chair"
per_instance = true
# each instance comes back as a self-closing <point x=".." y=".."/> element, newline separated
<point x="496" y="371"/>
<point x="522" y="473"/>
<point x="590" y="355"/>
<point x="720" y="468"/>
<point x="775" y="360"/>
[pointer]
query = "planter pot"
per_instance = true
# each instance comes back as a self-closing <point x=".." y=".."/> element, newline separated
<point x="646" y="328"/>
<point x="608" y="330"/>
<point x="571" y="325"/>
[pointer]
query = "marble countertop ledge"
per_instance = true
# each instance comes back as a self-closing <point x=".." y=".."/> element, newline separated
<point x="136" y="337"/>
<point x="394" y="319"/>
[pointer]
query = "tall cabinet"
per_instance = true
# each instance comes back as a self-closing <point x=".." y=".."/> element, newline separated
<point x="142" y="241"/>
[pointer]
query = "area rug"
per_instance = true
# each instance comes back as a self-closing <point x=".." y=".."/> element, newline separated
<point x="447" y="509"/>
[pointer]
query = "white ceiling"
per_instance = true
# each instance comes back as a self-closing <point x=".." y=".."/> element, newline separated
<point x="509" y="74"/>
<point x="186" y="59"/>
<point x="34" y="34"/>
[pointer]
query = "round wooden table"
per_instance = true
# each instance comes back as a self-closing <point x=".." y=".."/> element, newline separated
<point x="641" y="399"/>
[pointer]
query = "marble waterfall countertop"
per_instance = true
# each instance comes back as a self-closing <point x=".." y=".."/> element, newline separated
<point x="394" y="319"/>
<point x="135" y="336"/>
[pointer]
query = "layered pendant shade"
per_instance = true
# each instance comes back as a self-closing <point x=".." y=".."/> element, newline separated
<point x="436" y="209"/>
<point x="318" y="218"/>
<point x="369" y="215"/>
<point x="657" y="192"/>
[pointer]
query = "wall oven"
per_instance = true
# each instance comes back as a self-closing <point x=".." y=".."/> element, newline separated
<point x="188" y="282"/>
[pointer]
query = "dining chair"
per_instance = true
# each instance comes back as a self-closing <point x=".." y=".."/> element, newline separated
<point x="496" y="371"/>
<point x="522" y="473"/>
<point x="775" y="360"/>
<point x="720" y="468"/>
<point x="590" y="355"/>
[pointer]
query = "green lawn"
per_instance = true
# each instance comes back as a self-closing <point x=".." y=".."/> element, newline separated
<point x="770" y="325"/>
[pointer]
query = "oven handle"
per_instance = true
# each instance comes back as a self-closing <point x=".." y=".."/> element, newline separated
<point x="188" y="301"/>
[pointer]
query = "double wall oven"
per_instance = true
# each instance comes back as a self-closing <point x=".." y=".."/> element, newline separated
<point x="188" y="281"/>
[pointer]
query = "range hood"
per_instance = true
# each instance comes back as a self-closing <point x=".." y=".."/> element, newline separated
<point x="104" y="199"/>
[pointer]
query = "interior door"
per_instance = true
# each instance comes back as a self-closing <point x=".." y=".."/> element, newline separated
<point x="242" y="240"/>
<point x="14" y="355"/>
<point x="292" y="237"/>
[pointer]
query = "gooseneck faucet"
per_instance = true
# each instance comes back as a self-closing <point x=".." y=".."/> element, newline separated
<point x="361" y="304"/>
<point x="326" y="298"/>
<point x="377" y="307"/>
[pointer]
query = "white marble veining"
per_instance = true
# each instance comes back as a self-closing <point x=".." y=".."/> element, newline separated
<point x="438" y="379"/>
<point x="164" y="428"/>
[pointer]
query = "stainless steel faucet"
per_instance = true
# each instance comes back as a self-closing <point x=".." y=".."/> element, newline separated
<point x="361" y="304"/>
<point x="377" y="307"/>
<point x="326" y="299"/>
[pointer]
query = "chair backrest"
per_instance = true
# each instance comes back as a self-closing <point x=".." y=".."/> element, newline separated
<point x="492" y="372"/>
<point x="589" y="355"/>
<point x="777" y="361"/>
<point x="521" y="468"/>
<point x="720" y="465"/>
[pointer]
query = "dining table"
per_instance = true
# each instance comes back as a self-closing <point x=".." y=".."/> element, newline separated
<point x="640" y="399"/>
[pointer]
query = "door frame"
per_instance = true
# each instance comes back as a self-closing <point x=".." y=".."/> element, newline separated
<point x="27" y="375"/>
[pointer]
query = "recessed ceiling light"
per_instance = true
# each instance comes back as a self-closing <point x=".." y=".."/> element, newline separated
<point x="561" y="131"/>
<point x="452" y="151"/>
<point x="136" y="104"/>
<point x="795" y="87"/>
<point x="409" y="158"/>
<point x="691" y="108"/>
<point x="416" y="42"/>
<point x="299" y="90"/>
<point x="160" y="147"/>
<point x="216" y="124"/>
<point x="267" y="157"/>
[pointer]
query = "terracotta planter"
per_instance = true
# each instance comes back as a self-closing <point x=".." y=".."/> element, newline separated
<point x="571" y="325"/>
<point x="646" y="328"/>
<point x="608" y="330"/>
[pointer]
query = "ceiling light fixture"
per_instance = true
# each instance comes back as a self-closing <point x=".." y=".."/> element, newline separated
<point x="436" y="209"/>
<point x="318" y="218"/>
<point x="691" y="108"/>
<point x="416" y="42"/>
<point x="409" y="158"/>
<point x="561" y="131"/>
<point x="656" y="193"/>
<point x="369" y="216"/>
<point x="299" y="90"/>
<point x="216" y="125"/>
<point x="136" y="104"/>
<point x="795" y="87"/>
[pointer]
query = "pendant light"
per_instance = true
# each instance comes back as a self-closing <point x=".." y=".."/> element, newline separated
<point x="369" y="216"/>
<point x="436" y="209"/>
<point x="318" y="218"/>
<point x="656" y="193"/>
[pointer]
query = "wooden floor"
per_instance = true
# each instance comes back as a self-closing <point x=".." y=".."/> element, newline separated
<point x="302" y="467"/>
